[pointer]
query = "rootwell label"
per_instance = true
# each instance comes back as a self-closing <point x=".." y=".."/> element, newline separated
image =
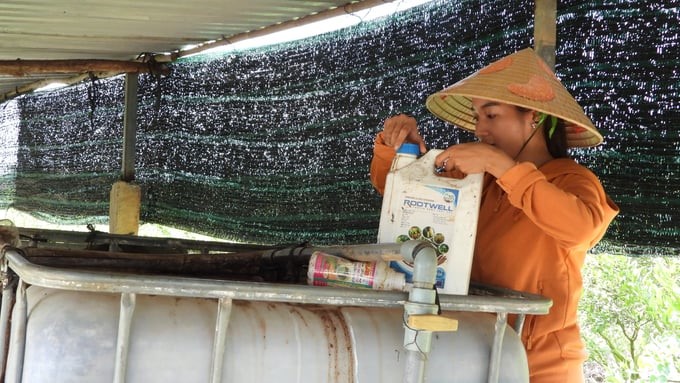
<point x="427" y="205"/>
<point x="450" y="196"/>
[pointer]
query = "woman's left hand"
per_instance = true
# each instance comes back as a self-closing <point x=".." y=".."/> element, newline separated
<point x="475" y="157"/>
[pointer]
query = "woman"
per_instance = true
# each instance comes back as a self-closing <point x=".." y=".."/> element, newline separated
<point x="540" y="210"/>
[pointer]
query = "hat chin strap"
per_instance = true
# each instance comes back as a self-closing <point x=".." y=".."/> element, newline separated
<point x="534" y="128"/>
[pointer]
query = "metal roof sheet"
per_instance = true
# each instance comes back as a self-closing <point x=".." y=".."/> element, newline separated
<point x="124" y="29"/>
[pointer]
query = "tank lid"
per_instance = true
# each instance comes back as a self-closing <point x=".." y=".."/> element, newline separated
<point x="409" y="148"/>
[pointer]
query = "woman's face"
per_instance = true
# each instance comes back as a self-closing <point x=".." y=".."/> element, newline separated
<point x="502" y="125"/>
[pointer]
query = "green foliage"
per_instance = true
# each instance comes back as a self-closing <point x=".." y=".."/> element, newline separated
<point x="630" y="317"/>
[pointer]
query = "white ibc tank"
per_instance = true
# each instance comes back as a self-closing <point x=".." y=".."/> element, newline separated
<point x="71" y="337"/>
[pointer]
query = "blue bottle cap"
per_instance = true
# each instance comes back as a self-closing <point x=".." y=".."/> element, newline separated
<point x="409" y="148"/>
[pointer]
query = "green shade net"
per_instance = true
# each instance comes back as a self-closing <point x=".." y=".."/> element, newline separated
<point x="620" y="61"/>
<point x="272" y="145"/>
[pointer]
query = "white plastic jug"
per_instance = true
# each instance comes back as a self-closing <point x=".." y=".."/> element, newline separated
<point x="419" y="204"/>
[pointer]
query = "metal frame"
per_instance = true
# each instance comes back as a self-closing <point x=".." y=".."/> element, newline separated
<point x="499" y="301"/>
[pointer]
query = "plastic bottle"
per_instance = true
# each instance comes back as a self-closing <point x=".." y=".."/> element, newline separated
<point x="419" y="204"/>
<point x="329" y="270"/>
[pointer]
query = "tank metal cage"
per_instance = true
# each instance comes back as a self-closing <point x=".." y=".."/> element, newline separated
<point x="17" y="273"/>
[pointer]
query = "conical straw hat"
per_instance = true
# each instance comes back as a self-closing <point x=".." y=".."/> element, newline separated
<point x="522" y="79"/>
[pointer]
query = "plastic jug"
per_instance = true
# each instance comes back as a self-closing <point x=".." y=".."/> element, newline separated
<point x="419" y="204"/>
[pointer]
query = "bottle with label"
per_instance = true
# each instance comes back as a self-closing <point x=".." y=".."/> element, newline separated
<point x="329" y="270"/>
<point x="419" y="204"/>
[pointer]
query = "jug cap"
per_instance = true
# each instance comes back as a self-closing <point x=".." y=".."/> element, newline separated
<point x="409" y="148"/>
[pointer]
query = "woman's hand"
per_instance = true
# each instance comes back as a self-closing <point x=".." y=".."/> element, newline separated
<point x="475" y="157"/>
<point x="402" y="128"/>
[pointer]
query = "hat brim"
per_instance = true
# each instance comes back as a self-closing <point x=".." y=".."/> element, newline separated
<point x="454" y="104"/>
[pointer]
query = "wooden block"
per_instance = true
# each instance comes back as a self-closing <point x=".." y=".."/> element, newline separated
<point x="124" y="208"/>
<point x="431" y="322"/>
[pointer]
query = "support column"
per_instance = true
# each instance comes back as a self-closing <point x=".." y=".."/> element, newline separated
<point x="126" y="197"/>
<point x="545" y="30"/>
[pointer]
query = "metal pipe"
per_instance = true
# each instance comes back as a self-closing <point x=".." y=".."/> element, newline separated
<point x="221" y="326"/>
<point x="18" y="335"/>
<point x="130" y="127"/>
<point x="519" y="323"/>
<point x="190" y="287"/>
<point x="495" y="357"/>
<point x="7" y="297"/>
<point x="128" y="302"/>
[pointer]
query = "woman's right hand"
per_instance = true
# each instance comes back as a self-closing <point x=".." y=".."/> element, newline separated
<point x="402" y="128"/>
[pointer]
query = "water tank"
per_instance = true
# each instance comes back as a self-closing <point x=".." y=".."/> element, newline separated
<point x="71" y="337"/>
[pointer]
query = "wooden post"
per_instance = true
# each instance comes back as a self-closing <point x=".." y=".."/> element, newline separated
<point x="126" y="197"/>
<point x="545" y="30"/>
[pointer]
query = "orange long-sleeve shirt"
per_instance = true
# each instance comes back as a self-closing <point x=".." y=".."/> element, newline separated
<point x="534" y="229"/>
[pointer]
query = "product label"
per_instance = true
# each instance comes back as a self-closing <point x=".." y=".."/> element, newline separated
<point x="424" y="216"/>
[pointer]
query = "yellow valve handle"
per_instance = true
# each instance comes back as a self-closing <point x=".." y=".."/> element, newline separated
<point x="431" y="322"/>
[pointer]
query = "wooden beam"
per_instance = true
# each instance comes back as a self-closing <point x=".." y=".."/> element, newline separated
<point x="545" y="30"/>
<point x="43" y="83"/>
<point x="20" y="68"/>
<point x="81" y="70"/>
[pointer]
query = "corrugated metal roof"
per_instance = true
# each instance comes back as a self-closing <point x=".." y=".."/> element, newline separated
<point x="123" y="29"/>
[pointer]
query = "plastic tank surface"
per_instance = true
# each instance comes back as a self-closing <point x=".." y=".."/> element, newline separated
<point x="71" y="337"/>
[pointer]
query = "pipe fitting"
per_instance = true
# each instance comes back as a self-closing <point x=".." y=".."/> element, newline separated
<point x="424" y="259"/>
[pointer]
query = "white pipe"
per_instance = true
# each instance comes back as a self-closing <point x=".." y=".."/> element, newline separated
<point x="496" y="349"/>
<point x="422" y="298"/>
<point x="128" y="302"/>
<point x="224" y="306"/>
<point x="18" y="336"/>
<point x="7" y="292"/>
